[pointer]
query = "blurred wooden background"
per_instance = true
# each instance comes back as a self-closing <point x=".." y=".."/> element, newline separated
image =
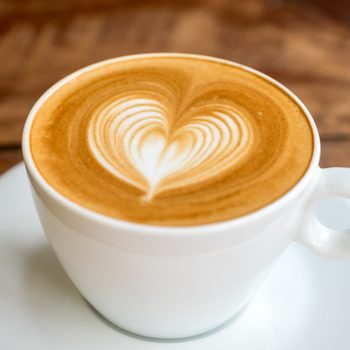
<point x="304" y="44"/>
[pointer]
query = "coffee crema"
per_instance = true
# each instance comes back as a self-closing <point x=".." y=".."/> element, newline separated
<point x="171" y="140"/>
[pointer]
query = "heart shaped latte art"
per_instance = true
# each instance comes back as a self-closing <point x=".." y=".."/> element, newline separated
<point x="137" y="139"/>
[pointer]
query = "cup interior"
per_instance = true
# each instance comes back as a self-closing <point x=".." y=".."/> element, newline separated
<point x="49" y="190"/>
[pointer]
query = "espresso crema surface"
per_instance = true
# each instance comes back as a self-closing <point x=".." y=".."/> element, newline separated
<point x="171" y="140"/>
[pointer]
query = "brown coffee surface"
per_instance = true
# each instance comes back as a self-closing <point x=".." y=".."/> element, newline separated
<point x="171" y="140"/>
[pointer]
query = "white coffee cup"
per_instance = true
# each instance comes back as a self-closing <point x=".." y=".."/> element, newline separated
<point x="173" y="282"/>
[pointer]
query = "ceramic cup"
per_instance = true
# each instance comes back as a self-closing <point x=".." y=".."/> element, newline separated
<point x="168" y="282"/>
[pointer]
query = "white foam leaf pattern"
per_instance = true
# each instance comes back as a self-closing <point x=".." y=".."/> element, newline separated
<point x="135" y="139"/>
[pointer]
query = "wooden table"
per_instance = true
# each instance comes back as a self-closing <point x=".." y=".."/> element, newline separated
<point x="303" y="44"/>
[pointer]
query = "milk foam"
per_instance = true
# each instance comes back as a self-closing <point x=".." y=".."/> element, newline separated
<point x="132" y="138"/>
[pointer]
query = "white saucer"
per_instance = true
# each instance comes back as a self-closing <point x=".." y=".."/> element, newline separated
<point x="303" y="304"/>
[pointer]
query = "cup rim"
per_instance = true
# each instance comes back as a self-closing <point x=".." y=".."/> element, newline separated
<point x="162" y="229"/>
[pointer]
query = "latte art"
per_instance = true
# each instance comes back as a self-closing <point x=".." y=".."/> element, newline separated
<point x="173" y="140"/>
<point x="132" y="137"/>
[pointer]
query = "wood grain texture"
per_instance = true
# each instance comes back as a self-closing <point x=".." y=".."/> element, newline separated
<point x="303" y="44"/>
<point x="9" y="157"/>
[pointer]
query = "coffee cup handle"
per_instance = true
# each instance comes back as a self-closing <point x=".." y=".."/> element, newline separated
<point x="328" y="243"/>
